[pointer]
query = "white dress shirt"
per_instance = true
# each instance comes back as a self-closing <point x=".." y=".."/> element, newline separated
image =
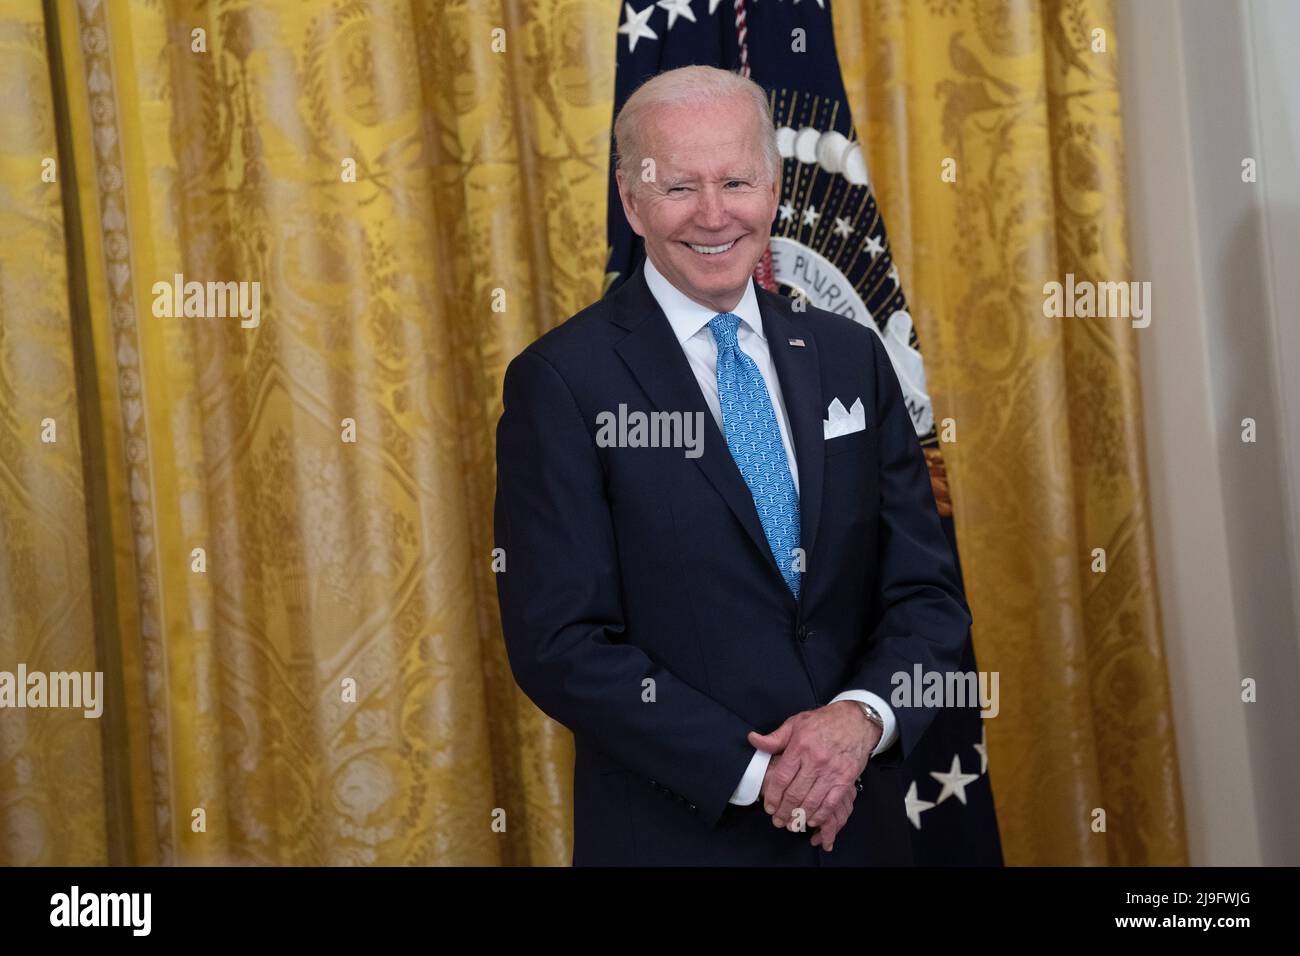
<point x="690" y="323"/>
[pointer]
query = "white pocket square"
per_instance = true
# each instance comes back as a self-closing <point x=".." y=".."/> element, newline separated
<point x="841" y="421"/>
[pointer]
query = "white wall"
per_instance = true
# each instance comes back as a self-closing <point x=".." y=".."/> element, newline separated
<point x="1204" y="84"/>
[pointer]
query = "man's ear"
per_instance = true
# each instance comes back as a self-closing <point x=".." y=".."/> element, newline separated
<point x="629" y="203"/>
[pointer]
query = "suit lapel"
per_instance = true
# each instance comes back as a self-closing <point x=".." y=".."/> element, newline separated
<point x="656" y="359"/>
<point x="799" y="371"/>
<point x="654" y="356"/>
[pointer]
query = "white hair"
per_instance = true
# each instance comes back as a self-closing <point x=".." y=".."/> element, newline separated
<point x="689" y="86"/>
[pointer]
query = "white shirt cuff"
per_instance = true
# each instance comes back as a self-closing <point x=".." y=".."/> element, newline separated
<point x="752" y="782"/>
<point x="885" y="711"/>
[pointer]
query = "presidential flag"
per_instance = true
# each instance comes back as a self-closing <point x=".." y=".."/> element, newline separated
<point x="828" y="244"/>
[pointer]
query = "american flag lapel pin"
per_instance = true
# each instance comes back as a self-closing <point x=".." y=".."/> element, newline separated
<point x="797" y="343"/>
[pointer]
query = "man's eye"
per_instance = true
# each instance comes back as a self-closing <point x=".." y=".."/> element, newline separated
<point x="737" y="182"/>
<point x="673" y="189"/>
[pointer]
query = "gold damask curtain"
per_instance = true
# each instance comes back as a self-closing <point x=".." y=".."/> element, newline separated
<point x="475" y="222"/>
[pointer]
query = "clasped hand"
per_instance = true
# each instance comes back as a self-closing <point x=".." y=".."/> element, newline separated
<point x="817" y="757"/>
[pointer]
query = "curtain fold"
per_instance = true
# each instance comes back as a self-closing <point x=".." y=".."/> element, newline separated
<point x="53" y="795"/>
<point x="275" y="537"/>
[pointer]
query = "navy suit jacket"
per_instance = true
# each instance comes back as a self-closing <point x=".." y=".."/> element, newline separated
<point x="628" y="564"/>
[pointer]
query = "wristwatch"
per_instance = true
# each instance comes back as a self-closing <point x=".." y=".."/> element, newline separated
<point x="872" y="715"/>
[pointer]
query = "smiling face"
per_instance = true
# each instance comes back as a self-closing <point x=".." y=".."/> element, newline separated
<point x="707" y="215"/>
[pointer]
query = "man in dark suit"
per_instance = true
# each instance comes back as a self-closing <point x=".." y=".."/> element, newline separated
<point x="720" y="536"/>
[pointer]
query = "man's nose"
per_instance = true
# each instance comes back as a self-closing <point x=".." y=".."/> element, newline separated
<point x="711" y="213"/>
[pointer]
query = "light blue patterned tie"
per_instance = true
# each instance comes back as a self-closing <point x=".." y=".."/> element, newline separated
<point x="749" y="423"/>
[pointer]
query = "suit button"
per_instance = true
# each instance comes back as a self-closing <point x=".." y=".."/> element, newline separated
<point x="801" y="633"/>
